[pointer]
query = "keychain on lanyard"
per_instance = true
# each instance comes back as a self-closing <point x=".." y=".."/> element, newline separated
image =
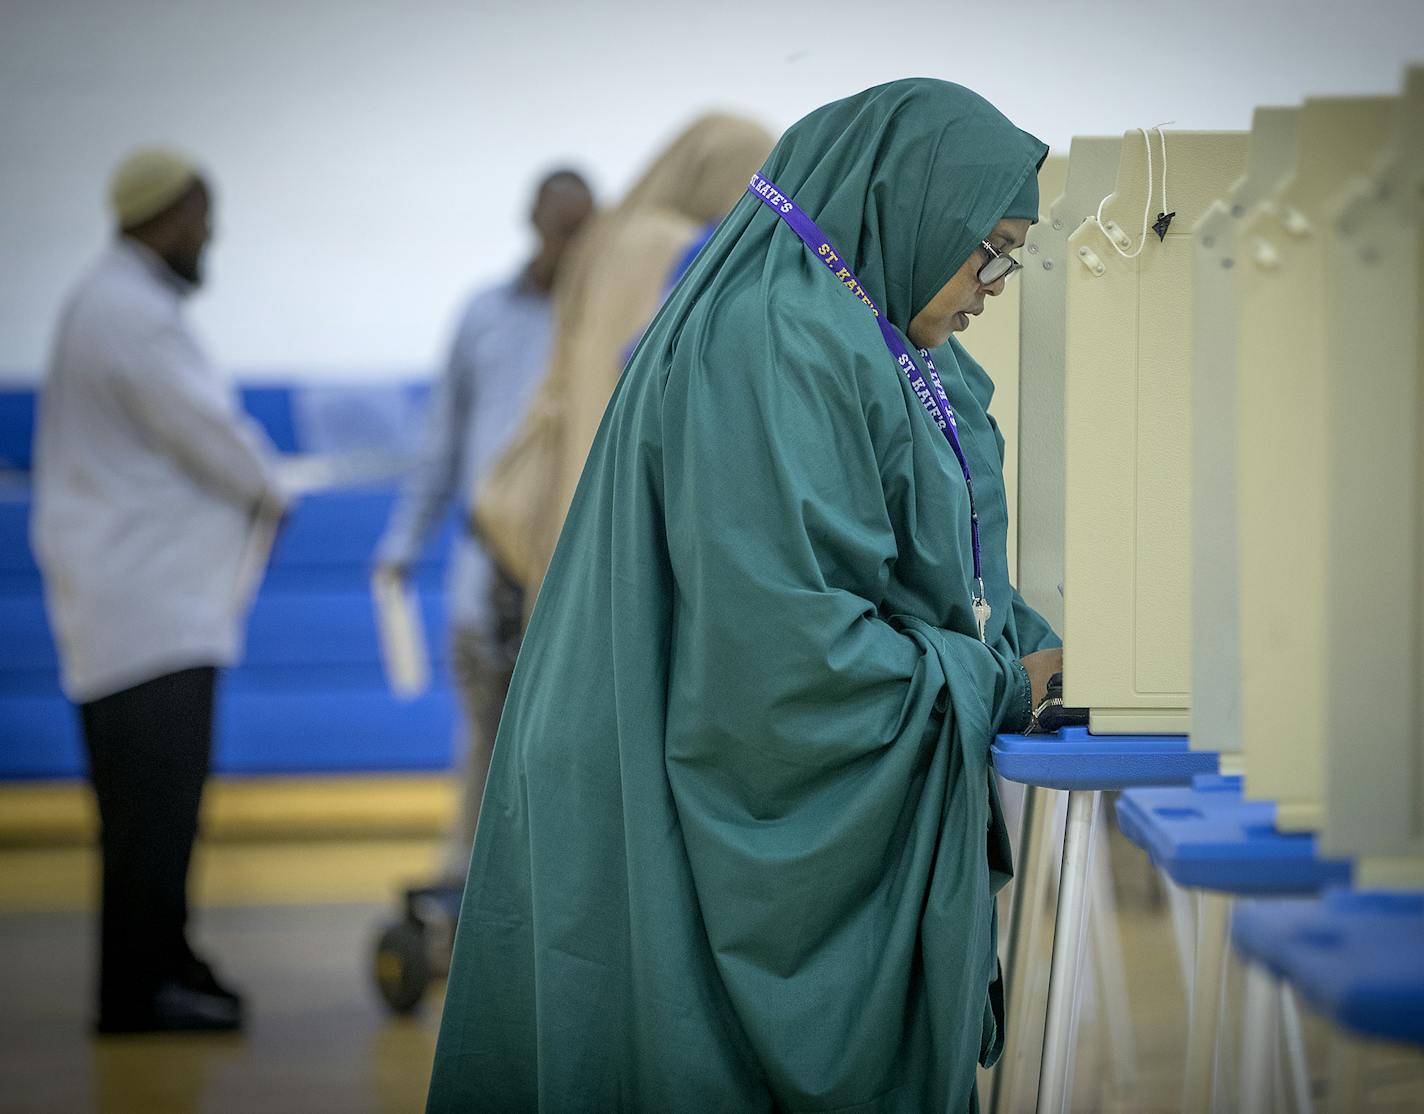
<point x="931" y="394"/>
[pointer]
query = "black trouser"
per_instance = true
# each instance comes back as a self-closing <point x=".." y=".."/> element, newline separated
<point x="149" y="749"/>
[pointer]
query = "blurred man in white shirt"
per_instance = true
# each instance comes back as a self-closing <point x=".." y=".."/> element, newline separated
<point x="155" y="499"/>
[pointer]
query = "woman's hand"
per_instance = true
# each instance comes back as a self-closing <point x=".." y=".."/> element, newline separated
<point x="1040" y="666"/>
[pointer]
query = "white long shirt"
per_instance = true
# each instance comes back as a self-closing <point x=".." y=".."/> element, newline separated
<point x="500" y="352"/>
<point x="154" y="495"/>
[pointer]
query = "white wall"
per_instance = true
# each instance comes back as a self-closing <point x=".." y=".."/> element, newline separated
<point x="373" y="158"/>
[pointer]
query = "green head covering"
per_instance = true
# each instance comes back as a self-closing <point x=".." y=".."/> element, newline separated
<point x="1025" y="205"/>
<point x="905" y="179"/>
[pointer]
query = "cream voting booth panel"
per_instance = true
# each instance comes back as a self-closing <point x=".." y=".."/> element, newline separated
<point x="1216" y="648"/>
<point x="1126" y="554"/>
<point x="1374" y="392"/>
<point x="993" y="340"/>
<point x="1092" y="167"/>
<point x="1282" y="451"/>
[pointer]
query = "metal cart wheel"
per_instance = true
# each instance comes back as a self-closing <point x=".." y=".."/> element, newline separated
<point x="402" y="965"/>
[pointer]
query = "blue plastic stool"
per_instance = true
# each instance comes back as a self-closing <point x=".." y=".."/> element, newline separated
<point x="1357" y="957"/>
<point x="1208" y="837"/>
<point x="1085" y="765"/>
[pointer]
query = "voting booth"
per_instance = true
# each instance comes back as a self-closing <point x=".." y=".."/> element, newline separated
<point x="994" y="342"/>
<point x="1091" y="169"/>
<point x="1327" y="577"/>
<point x="1346" y="230"/>
<point x="1374" y="487"/>
<point x="1216" y="647"/>
<point x="1284" y="320"/>
<point x="1127" y="444"/>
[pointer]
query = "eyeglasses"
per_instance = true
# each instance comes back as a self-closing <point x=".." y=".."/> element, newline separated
<point x="1000" y="265"/>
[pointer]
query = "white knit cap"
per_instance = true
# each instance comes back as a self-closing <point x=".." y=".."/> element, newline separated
<point x="147" y="182"/>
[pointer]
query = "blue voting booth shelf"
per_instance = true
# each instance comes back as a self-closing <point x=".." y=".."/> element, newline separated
<point x="1208" y="836"/>
<point x="310" y="695"/>
<point x="1356" y="956"/>
<point x="1074" y="758"/>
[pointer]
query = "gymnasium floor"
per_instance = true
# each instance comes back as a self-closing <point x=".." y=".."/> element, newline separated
<point x="317" y="1039"/>
<point x="291" y="921"/>
<point x="289" y="891"/>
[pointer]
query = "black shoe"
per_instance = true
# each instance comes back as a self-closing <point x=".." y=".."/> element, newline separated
<point x="198" y="975"/>
<point x="176" y="1008"/>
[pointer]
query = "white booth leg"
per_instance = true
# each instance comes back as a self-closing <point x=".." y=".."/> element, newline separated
<point x="1208" y="966"/>
<point x="1055" y="1072"/>
<point x="1111" y="968"/>
<point x="1183" y="912"/>
<point x="1294" y="1036"/>
<point x="1013" y="1078"/>
<point x="1259" y="1041"/>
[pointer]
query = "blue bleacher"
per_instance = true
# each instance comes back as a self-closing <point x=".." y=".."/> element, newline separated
<point x="310" y="695"/>
<point x="17" y="430"/>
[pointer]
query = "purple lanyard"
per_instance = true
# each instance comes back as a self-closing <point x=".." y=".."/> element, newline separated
<point x="931" y="393"/>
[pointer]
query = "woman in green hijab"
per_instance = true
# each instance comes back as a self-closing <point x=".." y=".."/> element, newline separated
<point x="740" y="841"/>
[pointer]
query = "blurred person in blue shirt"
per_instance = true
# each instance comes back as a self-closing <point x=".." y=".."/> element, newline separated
<point x="498" y="357"/>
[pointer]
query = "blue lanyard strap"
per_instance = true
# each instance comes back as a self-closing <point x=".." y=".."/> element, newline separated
<point x="930" y="391"/>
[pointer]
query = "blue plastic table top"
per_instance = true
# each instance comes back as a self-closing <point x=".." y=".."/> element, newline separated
<point x="1075" y="759"/>
<point x="1357" y="957"/>
<point x="1207" y="836"/>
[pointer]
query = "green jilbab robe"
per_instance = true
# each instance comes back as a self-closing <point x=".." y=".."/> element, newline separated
<point x="740" y="841"/>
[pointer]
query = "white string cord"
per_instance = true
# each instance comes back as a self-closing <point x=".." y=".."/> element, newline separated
<point x="1146" y="212"/>
<point x="1147" y="208"/>
<point x="1163" y="137"/>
